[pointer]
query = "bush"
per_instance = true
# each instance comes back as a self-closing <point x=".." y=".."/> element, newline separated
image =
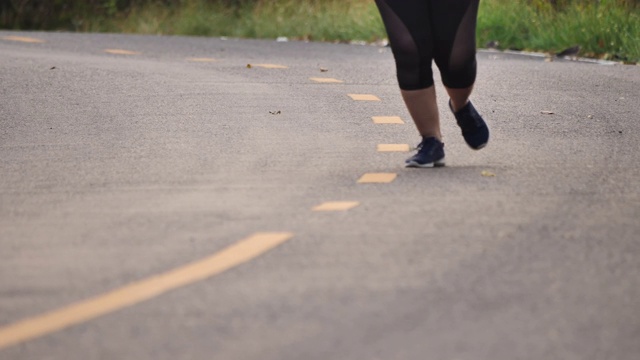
<point x="64" y="14"/>
<point x="70" y="14"/>
<point x="604" y="28"/>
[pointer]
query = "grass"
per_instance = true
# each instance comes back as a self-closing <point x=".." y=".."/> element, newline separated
<point x="330" y="20"/>
<point x="604" y="28"/>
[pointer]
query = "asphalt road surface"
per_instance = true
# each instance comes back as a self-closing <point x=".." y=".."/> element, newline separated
<point x="158" y="201"/>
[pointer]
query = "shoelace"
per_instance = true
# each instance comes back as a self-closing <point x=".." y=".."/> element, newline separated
<point x="469" y="117"/>
<point x="421" y="148"/>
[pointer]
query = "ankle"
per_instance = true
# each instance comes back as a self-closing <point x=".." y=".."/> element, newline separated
<point x="432" y="135"/>
<point x="457" y="106"/>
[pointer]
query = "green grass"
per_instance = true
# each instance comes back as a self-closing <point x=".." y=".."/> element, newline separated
<point x="604" y="28"/>
<point x="330" y="20"/>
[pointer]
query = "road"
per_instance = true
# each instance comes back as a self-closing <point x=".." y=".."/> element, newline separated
<point x="158" y="201"/>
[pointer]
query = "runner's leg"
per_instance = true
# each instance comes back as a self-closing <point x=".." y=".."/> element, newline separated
<point x="409" y="31"/>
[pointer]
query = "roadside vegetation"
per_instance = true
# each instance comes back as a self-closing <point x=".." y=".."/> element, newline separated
<point x="607" y="29"/>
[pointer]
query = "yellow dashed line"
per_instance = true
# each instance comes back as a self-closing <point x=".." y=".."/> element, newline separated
<point x="364" y="97"/>
<point x="326" y="80"/>
<point x="336" y="206"/>
<point x="140" y="291"/>
<point x="393" y="148"/>
<point x="387" y="120"/>
<point x="23" y="39"/>
<point x="270" y="66"/>
<point x="377" y="178"/>
<point x="121" y="52"/>
<point x="201" y="59"/>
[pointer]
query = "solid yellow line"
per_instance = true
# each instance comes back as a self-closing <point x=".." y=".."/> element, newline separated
<point x="140" y="291"/>
<point x="23" y="39"/>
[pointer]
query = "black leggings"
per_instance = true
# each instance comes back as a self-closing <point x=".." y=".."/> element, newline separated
<point x="424" y="30"/>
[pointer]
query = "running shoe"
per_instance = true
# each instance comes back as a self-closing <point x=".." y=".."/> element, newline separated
<point x="430" y="154"/>
<point x="474" y="129"/>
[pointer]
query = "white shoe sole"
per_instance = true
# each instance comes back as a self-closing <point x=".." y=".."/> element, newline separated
<point x="479" y="147"/>
<point x="413" y="164"/>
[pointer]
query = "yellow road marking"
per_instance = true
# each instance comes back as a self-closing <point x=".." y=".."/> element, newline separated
<point x="202" y="59"/>
<point x="393" y="147"/>
<point x="377" y="178"/>
<point x="270" y="66"/>
<point x="364" y="97"/>
<point x="326" y="80"/>
<point x="387" y="120"/>
<point x="121" y="52"/>
<point x="140" y="291"/>
<point x="23" y="39"/>
<point x="336" y="206"/>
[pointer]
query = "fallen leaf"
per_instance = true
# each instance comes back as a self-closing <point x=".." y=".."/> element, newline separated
<point x="493" y="44"/>
<point x="572" y="51"/>
<point x="487" y="173"/>
<point x="323" y="70"/>
<point x="249" y="66"/>
<point x="547" y="112"/>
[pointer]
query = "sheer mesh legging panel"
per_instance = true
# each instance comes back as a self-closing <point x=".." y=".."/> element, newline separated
<point x="422" y="31"/>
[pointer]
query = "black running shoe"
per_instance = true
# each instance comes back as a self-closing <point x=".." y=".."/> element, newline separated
<point x="474" y="129"/>
<point x="430" y="154"/>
